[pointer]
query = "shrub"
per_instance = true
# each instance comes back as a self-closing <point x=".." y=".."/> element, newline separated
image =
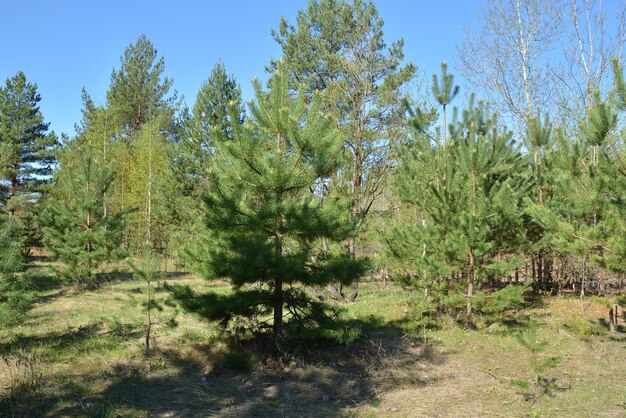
<point x="238" y="361"/>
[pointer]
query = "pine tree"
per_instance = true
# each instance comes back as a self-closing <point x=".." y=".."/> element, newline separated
<point x="133" y="134"/>
<point x="539" y="142"/>
<point x="338" y="48"/>
<point x="195" y="149"/>
<point x="75" y="227"/>
<point x="14" y="298"/>
<point x="265" y="212"/>
<point x="11" y="260"/>
<point x="444" y="93"/>
<point x="148" y="271"/>
<point x="26" y="147"/>
<point x="138" y="90"/>
<point x="472" y="220"/>
<point x="586" y="219"/>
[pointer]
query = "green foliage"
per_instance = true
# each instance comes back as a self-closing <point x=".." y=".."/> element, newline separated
<point x="445" y="91"/>
<point x="138" y="91"/>
<point x="584" y="327"/>
<point x="191" y="167"/>
<point x="146" y="186"/>
<point x="26" y="147"/>
<point x="11" y="259"/>
<point x="508" y="298"/>
<point x="15" y="298"/>
<point x="466" y="201"/>
<point x="337" y="48"/>
<point x="535" y="346"/>
<point x="76" y="229"/>
<point x="529" y="339"/>
<point x="13" y="307"/>
<point x="266" y="211"/>
<point x="238" y="361"/>
<point x="148" y="271"/>
<point x="586" y="217"/>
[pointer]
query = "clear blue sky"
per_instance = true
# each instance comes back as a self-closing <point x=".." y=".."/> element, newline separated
<point x="65" y="45"/>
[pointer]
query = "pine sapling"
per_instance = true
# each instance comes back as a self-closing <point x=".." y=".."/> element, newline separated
<point x="148" y="271"/>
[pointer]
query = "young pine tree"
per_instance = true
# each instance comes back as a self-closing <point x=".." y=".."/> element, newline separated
<point x="14" y="300"/>
<point x="266" y="212"/>
<point x="148" y="271"/>
<point x="338" y="47"/>
<point x="209" y="114"/>
<point x="586" y="220"/>
<point x="471" y="209"/>
<point x="75" y="226"/>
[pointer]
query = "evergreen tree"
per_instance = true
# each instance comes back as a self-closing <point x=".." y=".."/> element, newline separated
<point x="148" y="271"/>
<point x="75" y="227"/>
<point x="472" y="221"/>
<point x="14" y="300"/>
<point x="132" y="135"/>
<point x="444" y="93"/>
<point x="337" y="48"/>
<point x="11" y="260"/>
<point x="211" y="109"/>
<point x="265" y="212"/>
<point x="138" y="90"/>
<point x="26" y="147"/>
<point x="195" y="149"/>
<point x="586" y="220"/>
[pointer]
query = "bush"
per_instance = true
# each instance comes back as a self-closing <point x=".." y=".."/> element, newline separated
<point x="509" y="298"/>
<point x="238" y="361"/>
<point x="13" y="308"/>
<point x="579" y="325"/>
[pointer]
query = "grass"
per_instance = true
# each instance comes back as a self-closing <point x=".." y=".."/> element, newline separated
<point x="89" y="346"/>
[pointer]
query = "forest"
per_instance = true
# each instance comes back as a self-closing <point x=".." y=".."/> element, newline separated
<point x="354" y="240"/>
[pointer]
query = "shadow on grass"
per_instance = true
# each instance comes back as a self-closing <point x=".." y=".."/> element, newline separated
<point x="83" y="338"/>
<point x="311" y="377"/>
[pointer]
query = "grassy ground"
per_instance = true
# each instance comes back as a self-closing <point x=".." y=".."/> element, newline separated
<point x="83" y="353"/>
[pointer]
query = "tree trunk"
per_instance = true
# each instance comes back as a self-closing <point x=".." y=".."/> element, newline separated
<point x="470" y="292"/>
<point x="278" y="306"/>
<point x="355" y="284"/>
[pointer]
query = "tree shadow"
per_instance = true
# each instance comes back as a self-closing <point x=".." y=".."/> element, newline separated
<point x="73" y="337"/>
<point x="315" y="377"/>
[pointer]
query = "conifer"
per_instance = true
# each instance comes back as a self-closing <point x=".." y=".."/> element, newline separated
<point x="75" y="228"/>
<point x="266" y="211"/>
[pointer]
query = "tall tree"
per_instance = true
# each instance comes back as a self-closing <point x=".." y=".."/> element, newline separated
<point x="265" y="212"/>
<point x="194" y="150"/>
<point x="131" y="134"/>
<point x="75" y="227"/>
<point x="529" y="57"/>
<point x="26" y="147"/>
<point x="138" y="90"/>
<point x="337" y="48"/>
<point x="592" y="38"/>
<point x="507" y="58"/>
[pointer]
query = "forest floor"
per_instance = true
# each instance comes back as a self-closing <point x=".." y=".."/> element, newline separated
<point x="82" y="354"/>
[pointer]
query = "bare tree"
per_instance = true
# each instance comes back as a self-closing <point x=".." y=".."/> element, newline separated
<point x="507" y="58"/>
<point x="533" y="56"/>
<point x="590" y="42"/>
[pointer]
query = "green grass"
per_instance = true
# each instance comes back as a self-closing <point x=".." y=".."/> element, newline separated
<point x="90" y="346"/>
